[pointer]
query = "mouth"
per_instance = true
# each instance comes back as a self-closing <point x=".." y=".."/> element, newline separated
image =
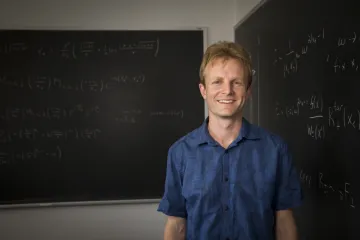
<point x="226" y="101"/>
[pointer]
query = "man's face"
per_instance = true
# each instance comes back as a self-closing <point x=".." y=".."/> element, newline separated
<point x="225" y="89"/>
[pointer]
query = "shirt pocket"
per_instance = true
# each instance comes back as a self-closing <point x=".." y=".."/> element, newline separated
<point x="193" y="188"/>
<point x="257" y="184"/>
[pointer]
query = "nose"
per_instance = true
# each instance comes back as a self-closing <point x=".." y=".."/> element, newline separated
<point x="228" y="88"/>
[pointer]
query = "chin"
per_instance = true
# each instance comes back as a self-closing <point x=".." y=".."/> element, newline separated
<point x="233" y="114"/>
<point x="227" y="115"/>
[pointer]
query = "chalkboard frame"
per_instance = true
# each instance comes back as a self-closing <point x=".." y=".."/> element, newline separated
<point x="101" y="202"/>
<point x="252" y="108"/>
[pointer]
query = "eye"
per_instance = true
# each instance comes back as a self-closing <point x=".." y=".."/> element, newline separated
<point x="216" y="82"/>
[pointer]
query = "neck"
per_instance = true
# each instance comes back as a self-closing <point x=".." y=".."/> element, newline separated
<point x="224" y="130"/>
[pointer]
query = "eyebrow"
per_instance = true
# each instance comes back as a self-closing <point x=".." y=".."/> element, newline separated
<point x="234" y="79"/>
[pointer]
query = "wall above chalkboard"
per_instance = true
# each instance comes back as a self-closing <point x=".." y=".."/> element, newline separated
<point x="306" y="57"/>
<point x="90" y="115"/>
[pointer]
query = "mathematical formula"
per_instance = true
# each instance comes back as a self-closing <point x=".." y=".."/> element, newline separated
<point x="321" y="116"/>
<point x="46" y="83"/>
<point x="313" y="103"/>
<point x="133" y="116"/>
<point x="51" y="113"/>
<point x="342" y="192"/>
<point x="289" y="59"/>
<point x="33" y="134"/>
<point x="14" y="157"/>
<point x="79" y="110"/>
<point x="75" y="50"/>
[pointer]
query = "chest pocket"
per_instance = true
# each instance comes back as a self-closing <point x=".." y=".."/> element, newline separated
<point x="193" y="185"/>
<point x="202" y="186"/>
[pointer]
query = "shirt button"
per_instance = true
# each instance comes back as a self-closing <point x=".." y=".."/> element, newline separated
<point x="226" y="179"/>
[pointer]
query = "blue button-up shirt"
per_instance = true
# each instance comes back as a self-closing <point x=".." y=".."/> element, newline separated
<point x="230" y="193"/>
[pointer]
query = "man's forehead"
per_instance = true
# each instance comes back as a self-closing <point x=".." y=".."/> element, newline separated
<point x="220" y="64"/>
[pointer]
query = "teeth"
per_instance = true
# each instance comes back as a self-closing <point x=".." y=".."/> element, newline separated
<point x="226" y="101"/>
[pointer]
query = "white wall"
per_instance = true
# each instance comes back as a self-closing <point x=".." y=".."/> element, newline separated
<point x="128" y="221"/>
<point x="121" y="14"/>
<point x="243" y="7"/>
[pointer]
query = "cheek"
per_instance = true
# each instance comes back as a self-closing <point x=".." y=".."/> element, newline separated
<point x="212" y="92"/>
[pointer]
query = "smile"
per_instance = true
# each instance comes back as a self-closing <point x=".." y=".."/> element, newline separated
<point x="226" y="101"/>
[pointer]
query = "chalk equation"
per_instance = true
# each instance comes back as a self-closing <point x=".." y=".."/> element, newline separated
<point x="341" y="65"/>
<point x="75" y="50"/>
<point x="47" y="83"/>
<point x="30" y="156"/>
<point x="316" y="131"/>
<point x="320" y="115"/>
<point x="313" y="103"/>
<point x="80" y="111"/>
<point x="305" y="178"/>
<point x="50" y="113"/>
<point x="289" y="57"/>
<point x="342" y="192"/>
<point x="347" y="39"/>
<point x="33" y="134"/>
<point x="134" y="115"/>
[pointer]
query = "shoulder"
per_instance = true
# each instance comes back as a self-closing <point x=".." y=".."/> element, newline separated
<point x="185" y="145"/>
<point x="185" y="142"/>
<point x="270" y="139"/>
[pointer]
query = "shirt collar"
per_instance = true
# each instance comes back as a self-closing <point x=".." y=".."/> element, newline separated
<point x="247" y="131"/>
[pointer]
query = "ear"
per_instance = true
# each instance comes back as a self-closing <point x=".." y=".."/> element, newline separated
<point x="202" y="90"/>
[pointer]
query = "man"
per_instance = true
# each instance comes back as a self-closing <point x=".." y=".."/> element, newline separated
<point x="229" y="179"/>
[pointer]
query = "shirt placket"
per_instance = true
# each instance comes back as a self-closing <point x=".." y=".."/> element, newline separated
<point x="225" y="198"/>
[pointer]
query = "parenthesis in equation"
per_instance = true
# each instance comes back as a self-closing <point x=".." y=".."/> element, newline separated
<point x="102" y="85"/>
<point x="59" y="152"/>
<point x="182" y="113"/>
<point x="49" y="86"/>
<point x="29" y="83"/>
<point x="157" y="47"/>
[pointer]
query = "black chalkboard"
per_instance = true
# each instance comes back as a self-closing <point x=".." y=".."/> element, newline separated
<point x="90" y="115"/>
<point x="306" y="58"/>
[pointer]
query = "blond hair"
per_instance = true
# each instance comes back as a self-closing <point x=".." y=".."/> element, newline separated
<point x="226" y="50"/>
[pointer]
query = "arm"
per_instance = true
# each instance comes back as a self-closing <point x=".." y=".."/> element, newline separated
<point x="172" y="203"/>
<point x="175" y="228"/>
<point x="285" y="225"/>
<point x="288" y="196"/>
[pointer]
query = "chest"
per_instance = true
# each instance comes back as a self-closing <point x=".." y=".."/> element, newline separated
<point x="247" y="169"/>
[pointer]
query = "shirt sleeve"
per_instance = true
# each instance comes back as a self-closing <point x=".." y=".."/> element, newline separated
<point x="172" y="202"/>
<point x="288" y="192"/>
